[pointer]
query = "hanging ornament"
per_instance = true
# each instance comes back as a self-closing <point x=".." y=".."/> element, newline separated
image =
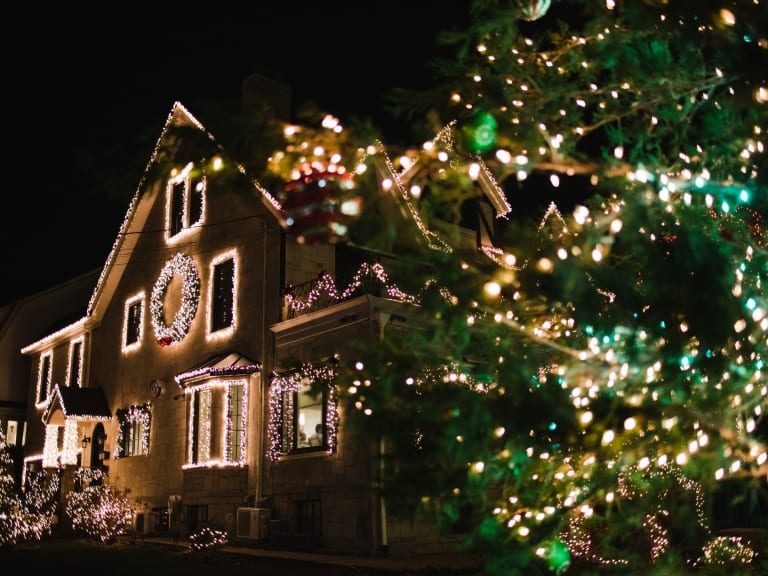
<point x="533" y="9"/>
<point x="320" y="205"/>
<point x="558" y="556"/>
<point x="480" y="132"/>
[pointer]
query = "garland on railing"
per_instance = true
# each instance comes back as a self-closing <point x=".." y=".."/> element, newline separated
<point x="326" y="286"/>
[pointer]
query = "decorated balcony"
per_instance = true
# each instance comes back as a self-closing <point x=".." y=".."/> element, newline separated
<point x="325" y="292"/>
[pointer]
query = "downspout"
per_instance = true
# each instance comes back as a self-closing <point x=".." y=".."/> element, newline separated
<point x="263" y="405"/>
<point x="383" y="503"/>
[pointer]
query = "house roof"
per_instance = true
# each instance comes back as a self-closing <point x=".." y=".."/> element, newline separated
<point x="77" y="403"/>
<point x="181" y="118"/>
<point x="225" y="364"/>
<point x="138" y="211"/>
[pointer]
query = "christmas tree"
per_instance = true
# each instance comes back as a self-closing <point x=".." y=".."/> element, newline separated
<point x="576" y="393"/>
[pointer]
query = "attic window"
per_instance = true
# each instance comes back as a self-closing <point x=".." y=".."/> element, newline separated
<point x="186" y="200"/>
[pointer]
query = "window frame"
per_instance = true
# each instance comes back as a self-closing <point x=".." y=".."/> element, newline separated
<point x="212" y="409"/>
<point x="75" y="364"/>
<point x="45" y="372"/>
<point x="134" y="426"/>
<point x="129" y="319"/>
<point x="284" y="418"/>
<point x="216" y="329"/>
<point x="185" y="207"/>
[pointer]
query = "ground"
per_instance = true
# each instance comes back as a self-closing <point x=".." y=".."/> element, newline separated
<point x="124" y="558"/>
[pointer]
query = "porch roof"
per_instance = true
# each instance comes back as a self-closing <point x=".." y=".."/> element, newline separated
<point x="73" y="402"/>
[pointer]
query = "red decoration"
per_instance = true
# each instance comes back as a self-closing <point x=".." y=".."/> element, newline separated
<point x="534" y="9"/>
<point x="166" y="341"/>
<point x="319" y="206"/>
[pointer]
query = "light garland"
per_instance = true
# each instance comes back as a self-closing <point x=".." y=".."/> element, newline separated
<point x="718" y="550"/>
<point x="128" y="416"/>
<point x="183" y="265"/>
<point x="136" y="300"/>
<point x="281" y="411"/>
<point x="326" y="286"/>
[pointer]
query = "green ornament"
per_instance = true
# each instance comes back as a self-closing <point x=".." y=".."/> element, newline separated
<point x="480" y="132"/>
<point x="558" y="556"/>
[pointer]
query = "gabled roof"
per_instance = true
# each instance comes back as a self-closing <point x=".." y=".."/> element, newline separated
<point x="72" y="402"/>
<point x="225" y="364"/>
<point x="180" y="118"/>
<point x="401" y="179"/>
<point x="142" y="202"/>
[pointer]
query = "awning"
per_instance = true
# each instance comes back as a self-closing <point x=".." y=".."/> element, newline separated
<point x="75" y="403"/>
<point x="224" y="364"/>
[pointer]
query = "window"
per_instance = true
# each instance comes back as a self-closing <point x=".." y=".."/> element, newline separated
<point x="217" y="418"/>
<point x="186" y="200"/>
<point x="235" y="422"/>
<point x="223" y="295"/>
<point x="75" y="367"/>
<point x="309" y="415"/>
<point x="200" y="418"/>
<point x="303" y="414"/>
<point x="133" y="323"/>
<point x="12" y="432"/>
<point x="44" y="377"/>
<point x="133" y="432"/>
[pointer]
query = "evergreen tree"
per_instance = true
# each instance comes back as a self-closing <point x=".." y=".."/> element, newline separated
<point x="577" y="393"/>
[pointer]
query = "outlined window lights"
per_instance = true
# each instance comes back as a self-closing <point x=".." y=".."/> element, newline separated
<point x="133" y="432"/>
<point x="223" y="293"/>
<point x="235" y="422"/>
<point x="200" y="428"/>
<point x="303" y="412"/>
<point x="133" y="322"/>
<point x="75" y="365"/>
<point x="44" y="377"/>
<point x="185" y="200"/>
<point x="217" y="418"/>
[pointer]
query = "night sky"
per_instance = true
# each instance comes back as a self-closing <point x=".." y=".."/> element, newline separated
<point x="87" y="95"/>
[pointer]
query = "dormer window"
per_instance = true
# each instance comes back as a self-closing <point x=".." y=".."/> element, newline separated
<point x="186" y="200"/>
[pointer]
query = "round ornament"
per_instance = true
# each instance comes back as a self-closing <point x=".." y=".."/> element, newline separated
<point x="533" y="9"/>
<point x="480" y="132"/>
<point x="320" y="205"/>
<point x="184" y="266"/>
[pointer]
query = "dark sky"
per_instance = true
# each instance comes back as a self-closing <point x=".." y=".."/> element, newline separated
<point x="87" y="94"/>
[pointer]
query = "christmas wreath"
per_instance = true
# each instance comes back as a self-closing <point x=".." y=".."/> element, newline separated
<point x="184" y="266"/>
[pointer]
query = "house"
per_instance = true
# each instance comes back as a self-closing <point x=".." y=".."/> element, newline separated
<point x="206" y="358"/>
<point x="22" y="321"/>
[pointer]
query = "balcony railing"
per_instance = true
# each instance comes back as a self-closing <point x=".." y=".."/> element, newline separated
<point x="322" y="292"/>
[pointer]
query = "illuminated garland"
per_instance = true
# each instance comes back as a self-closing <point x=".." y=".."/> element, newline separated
<point x="718" y="550"/>
<point x="325" y="285"/>
<point x="184" y="266"/>
<point x="281" y="411"/>
<point x="127" y="416"/>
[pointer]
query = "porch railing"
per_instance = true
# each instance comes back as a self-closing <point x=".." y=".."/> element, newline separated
<point x="323" y="292"/>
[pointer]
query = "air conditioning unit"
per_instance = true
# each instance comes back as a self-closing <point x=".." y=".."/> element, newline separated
<point x="253" y="523"/>
<point x="145" y="522"/>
